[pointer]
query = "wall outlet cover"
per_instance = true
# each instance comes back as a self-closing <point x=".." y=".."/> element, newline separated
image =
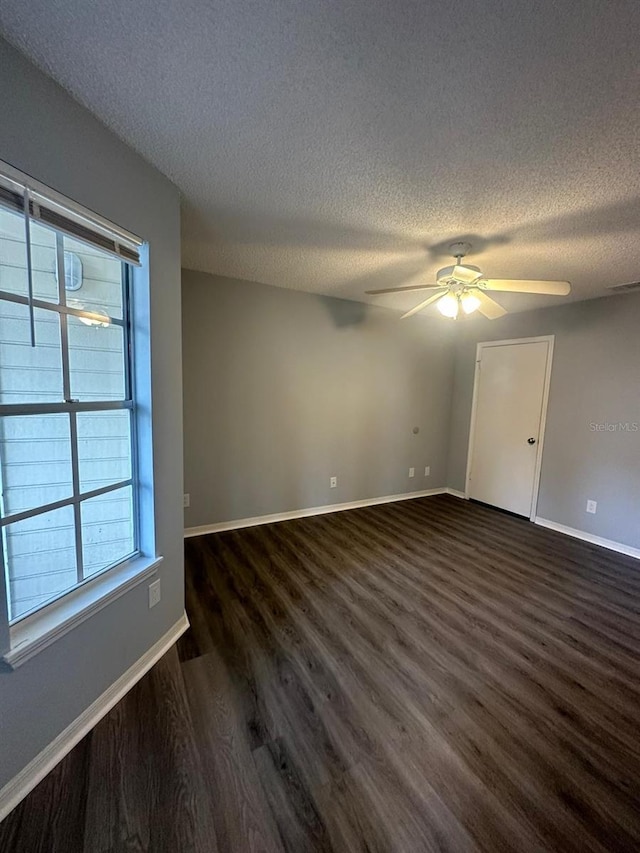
<point x="592" y="506"/>
<point x="412" y="472"/>
<point x="427" y="470"/>
<point x="155" y="593"/>
<point x="186" y="501"/>
<point x="333" y="482"/>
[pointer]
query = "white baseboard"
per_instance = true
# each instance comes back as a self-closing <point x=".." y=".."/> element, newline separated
<point x="18" y="788"/>
<point x="456" y="493"/>
<point x="220" y="526"/>
<point x="589" y="537"/>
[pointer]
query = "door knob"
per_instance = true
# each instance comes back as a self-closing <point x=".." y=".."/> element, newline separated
<point x="531" y="440"/>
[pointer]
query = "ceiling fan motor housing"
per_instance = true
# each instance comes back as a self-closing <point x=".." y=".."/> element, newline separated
<point x="445" y="276"/>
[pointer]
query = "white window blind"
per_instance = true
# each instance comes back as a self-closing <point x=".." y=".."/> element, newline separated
<point x="73" y="220"/>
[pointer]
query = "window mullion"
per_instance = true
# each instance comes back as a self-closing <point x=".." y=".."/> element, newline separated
<point x="77" y="513"/>
<point x="131" y="395"/>
<point x="12" y="409"/>
<point x="64" y="335"/>
<point x="85" y="496"/>
<point x="4" y="574"/>
<point x="126" y="330"/>
<point x="19" y="299"/>
<point x="66" y="390"/>
<point x="5" y="638"/>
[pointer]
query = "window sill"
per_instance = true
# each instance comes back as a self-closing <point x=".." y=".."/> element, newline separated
<point x="37" y="632"/>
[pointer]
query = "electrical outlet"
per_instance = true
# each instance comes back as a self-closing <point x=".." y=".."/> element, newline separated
<point x="592" y="506"/>
<point x="412" y="472"/>
<point x="333" y="482"/>
<point x="186" y="501"/>
<point x="427" y="470"/>
<point x="155" y="593"/>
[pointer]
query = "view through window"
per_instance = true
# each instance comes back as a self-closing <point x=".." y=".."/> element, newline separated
<point x="67" y="468"/>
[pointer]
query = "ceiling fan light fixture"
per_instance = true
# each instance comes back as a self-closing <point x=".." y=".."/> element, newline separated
<point x="469" y="302"/>
<point x="448" y="306"/>
<point x="466" y="287"/>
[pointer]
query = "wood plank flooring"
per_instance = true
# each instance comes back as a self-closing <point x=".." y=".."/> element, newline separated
<point x="430" y="675"/>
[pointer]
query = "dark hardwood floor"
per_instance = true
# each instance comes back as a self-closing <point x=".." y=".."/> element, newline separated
<point x="430" y="675"/>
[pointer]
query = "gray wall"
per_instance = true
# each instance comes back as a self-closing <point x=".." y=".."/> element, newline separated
<point x="284" y="389"/>
<point x="595" y="380"/>
<point x="58" y="142"/>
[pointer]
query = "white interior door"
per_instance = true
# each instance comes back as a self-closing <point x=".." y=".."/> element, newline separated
<point x="509" y="403"/>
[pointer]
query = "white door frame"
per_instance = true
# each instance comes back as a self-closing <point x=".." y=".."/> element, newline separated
<point x="550" y="339"/>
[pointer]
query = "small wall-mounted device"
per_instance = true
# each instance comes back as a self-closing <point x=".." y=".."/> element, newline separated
<point x="72" y="271"/>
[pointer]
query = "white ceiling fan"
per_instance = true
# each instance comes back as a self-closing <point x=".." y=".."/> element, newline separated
<point x="463" y="287"/>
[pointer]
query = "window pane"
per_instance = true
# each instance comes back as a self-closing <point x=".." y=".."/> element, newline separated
<point x="35" y="461"/>
<point x="96" y="278"/>
<point x="40" y="559"/>
<point x="107" y="530"/>
<point x="29" y="374"/>
<point x="104" y="448"/>
<point x="96" y="361"/>
<point x="13" y="257"/>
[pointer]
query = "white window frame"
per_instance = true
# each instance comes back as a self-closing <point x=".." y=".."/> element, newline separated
<point x="35" y="631"/>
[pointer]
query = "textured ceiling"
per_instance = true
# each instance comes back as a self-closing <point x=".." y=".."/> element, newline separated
<point x="338" y="145"/>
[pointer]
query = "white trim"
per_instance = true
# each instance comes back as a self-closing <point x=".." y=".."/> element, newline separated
<point x="543" y="424"/>
<point x="38" y="631"/>
<point x="26" y="780"/>
<point x="456" y="493"/>
<point x="611" y="544"/>
<point x="236" y="524"/>
<point x="472" y="424"/>
<point x="550" y="341"/>
<point x="536" y="339"/>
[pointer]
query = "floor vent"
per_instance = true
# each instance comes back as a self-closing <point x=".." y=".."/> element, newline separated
<point x="624" y="288"/>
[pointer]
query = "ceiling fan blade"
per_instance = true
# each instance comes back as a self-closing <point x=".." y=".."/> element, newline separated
<point x="433" y="298"/>
<point x="550" y="288"/>
<point x="406" y="288"/>
<point x="466" y="275"/>
<point x="489" y="308"/>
